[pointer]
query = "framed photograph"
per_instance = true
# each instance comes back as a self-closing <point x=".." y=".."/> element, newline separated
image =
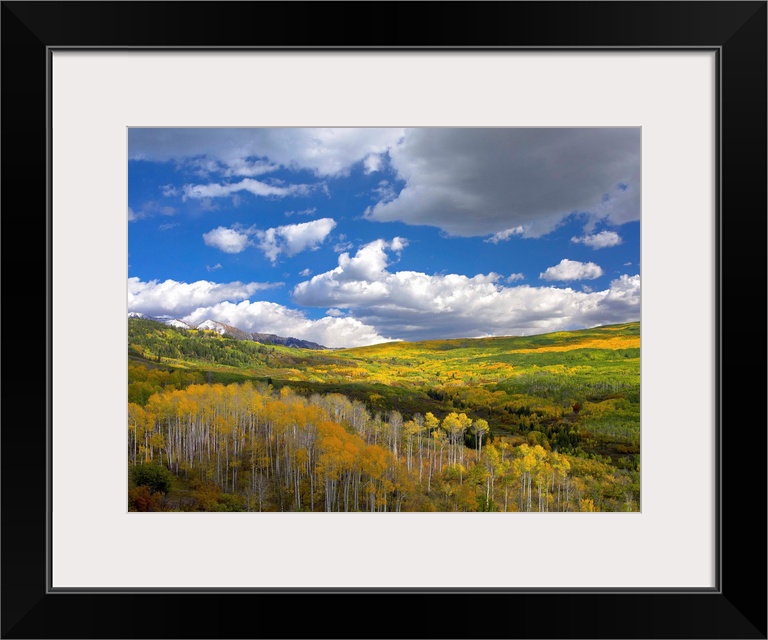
<point x="355" y="362"/>
<point x="296" y="221"/>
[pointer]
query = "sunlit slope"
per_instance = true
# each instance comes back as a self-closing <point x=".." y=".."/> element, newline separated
<point x="605" y="337"/>
<point x="486" y="360"/>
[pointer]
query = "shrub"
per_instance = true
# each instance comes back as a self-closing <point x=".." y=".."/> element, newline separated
<point x="154" y="476"/>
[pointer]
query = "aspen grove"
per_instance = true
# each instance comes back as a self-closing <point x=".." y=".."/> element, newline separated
<point x="249" y="447"/>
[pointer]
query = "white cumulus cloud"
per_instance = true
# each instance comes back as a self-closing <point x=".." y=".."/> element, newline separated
<point x="364" y="269"/>
<point x="599" y="240"/>
<point x="226" y="240"/>
<point x="572" y="270"/>
<point x="398" y="244"/>
<point x="291" y="239"/>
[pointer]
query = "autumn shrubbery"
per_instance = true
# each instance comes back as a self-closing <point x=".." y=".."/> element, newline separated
<point x="142" y="499"/>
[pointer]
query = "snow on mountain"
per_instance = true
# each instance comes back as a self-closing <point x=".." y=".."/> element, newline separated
<point x="212" y="325"/>
<point x="167" y="320"/>
<point x="224" y="330"/>
<point x="179" y="324"/>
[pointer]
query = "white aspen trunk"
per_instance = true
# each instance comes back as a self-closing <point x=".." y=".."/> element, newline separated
<point x="530" y="491"/>
<point x="421" y="464"/>
<point x="522" y="492"/>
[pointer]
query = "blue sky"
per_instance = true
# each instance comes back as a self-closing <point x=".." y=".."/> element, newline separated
<point x="348" y="237"/>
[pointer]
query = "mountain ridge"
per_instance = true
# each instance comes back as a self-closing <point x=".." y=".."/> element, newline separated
<point x="232" y="332"/>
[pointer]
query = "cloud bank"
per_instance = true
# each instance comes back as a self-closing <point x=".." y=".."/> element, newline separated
<point x="417" y="306"/>
<point x="471" y="182"/>
<point x="177" y="299"/>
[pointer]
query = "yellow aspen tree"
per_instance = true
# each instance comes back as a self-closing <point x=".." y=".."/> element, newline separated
<point x="452" y="426"/>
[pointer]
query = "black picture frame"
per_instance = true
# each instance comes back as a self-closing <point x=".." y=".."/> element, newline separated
<point x="736" y="608"/>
